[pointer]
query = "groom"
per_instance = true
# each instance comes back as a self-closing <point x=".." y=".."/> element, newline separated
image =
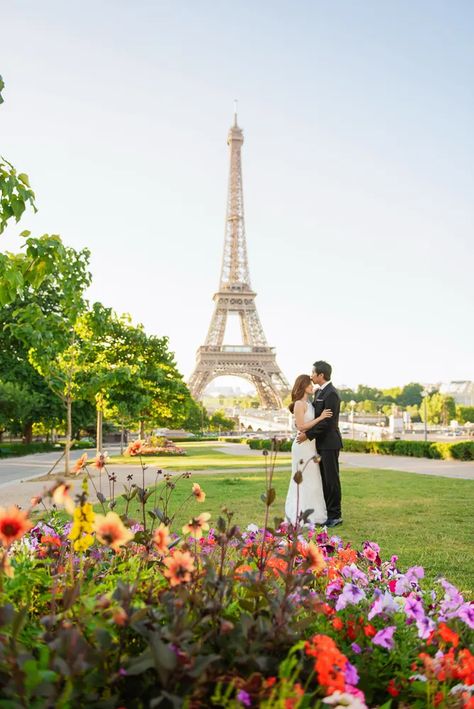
<point x="328" y="439"/>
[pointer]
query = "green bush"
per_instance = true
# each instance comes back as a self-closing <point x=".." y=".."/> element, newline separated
<point x="463" y="450"/>
<point x="10" y="450"/>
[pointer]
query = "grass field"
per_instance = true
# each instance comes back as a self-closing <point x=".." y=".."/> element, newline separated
<point x="423" y="519"/>
<point x="202" y="455"/>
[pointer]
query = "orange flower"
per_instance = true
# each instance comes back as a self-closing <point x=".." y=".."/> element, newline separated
<point x="337" y="624"/>
<point x="198" y="493"/>
<point x="35" y="500"/>
<point x="161" y="539"/>
<point x="13" y="525"/>
<point x="180" y="566"/>
<point x="134" y="448"/>
<point x="197" y="525"/>
<point x="101" y="460"/>
<point x="314" y="558"/>
<point x="239" y="571"/>
<point x="62" y="497"/>
<point x="80" y="463"/>
<point x="277" y="563"/>
<point x="329" y="663"/>
<point x="110" y="530"/>
<point x="448" y="635"/>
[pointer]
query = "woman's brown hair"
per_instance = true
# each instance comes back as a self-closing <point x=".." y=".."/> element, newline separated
<point x="297" y="393"/>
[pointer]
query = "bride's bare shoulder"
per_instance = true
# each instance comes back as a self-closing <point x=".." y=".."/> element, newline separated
<point x="300" y="404"/>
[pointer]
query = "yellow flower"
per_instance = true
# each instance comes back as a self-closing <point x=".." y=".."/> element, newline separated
<point x="197" y="525"/>
<point x="82" y="527"/>
<point x="111" y="530"/>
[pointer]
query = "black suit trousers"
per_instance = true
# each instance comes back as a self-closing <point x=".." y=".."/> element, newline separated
<point x="329" y="465"/>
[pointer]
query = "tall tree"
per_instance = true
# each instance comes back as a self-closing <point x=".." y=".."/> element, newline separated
<point x="45" y="319"/>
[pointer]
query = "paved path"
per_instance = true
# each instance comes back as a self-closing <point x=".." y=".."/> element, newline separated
<point x="421" y="466"/>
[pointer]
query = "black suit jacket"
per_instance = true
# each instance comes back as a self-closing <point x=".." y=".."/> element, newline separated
<point x="326" y="432"/>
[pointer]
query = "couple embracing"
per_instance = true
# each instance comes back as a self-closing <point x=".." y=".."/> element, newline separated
<point x="317" y="422"/>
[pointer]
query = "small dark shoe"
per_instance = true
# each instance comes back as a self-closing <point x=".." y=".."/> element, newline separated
<point x="334" y="522"/>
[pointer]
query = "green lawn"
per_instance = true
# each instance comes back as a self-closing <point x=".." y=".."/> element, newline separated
<point x="425" y="520"/>
<point x="202" y="455"/>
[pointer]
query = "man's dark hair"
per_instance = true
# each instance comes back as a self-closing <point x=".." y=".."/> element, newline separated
<point x="321" y="367"/>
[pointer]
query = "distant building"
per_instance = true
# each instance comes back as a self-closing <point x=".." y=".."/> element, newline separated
<point x="462" y="392"/>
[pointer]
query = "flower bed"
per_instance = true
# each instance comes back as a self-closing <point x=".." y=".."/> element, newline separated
<point x="98" y="610"/>
<point x="141" y="448"/>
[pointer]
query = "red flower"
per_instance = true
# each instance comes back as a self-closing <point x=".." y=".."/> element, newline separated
<point x="448" y="635"/>
<point x="369" y="630"/>
<point x="337" y="624"/>
<point x="391" y="689"/>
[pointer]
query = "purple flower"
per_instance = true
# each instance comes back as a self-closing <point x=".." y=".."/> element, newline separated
<point x="384" y="603"/>
<point x="351" y="594"/>
<point x="403" y="585"/>
<point x="350" y="674"/>
<point x="384" y="638"/>
<point x="356" y="648"/>
<point x="414" y="608"/>
<point x="415" y="573"/>
<point x="332" y="589"/>
<point x="466" y="613"/>
<point x="244" y="698"/>
<point x="425" y="626"/>
<point x="354" y="574"/>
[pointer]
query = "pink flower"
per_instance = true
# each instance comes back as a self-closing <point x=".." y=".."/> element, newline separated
<point x="384" y="638"/>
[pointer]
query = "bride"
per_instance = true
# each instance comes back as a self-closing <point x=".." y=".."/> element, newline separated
<point x="309" y="493"/>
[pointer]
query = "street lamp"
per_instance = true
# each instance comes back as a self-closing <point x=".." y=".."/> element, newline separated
<point x="425" y="393"/>
<point x="352" y="404"/>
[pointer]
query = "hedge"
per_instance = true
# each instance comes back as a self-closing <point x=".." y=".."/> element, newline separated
<point x="463" y="450"/>
<point x="14" y="450"/>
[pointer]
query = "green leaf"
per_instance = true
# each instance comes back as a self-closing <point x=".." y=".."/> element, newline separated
<point x="24" y="178"/>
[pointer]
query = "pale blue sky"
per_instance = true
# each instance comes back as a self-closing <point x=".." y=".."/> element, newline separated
<point x="358" y="167"/>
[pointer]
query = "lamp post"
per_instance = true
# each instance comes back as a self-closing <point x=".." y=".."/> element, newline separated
<point x="352" y="403"/>
<point x="425" y="396"/>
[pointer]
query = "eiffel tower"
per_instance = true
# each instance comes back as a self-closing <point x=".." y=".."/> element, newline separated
<point x="254" y="359"/>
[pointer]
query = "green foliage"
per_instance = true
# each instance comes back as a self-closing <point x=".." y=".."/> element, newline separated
<point x="464" y="450"/>
<point x="440" y="409"/>
<point x="465" y="414"/>
<point x="218" y="422"/>
<point x="15" y="194"/>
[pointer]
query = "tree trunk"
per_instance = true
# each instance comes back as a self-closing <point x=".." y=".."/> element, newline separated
<point x="68" y="434"/>
<point x="122" y="439"/>
<point x="142" y="430"/>
<point x="99" y="429"/>
<point x="28" y="432"/>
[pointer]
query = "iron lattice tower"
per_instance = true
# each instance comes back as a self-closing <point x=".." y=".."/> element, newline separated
<point x="254" y="359"/>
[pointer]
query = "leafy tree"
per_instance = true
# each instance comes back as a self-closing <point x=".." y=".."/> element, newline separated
<point x="465" y="414"/>
<point x="411" y="395"/>
<point x="197" y="418"/>
<point x="219" y="422"/>
<point x="16" y="406"/>
<point x="46" y="320"/>
<point x="440" y="409"/>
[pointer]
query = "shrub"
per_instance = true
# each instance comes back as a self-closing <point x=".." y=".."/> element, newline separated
<point x="463" y="450"/>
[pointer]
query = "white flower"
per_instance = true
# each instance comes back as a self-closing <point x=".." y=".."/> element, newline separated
<point x="252" y="528"/>
<point x="339" y="700"/>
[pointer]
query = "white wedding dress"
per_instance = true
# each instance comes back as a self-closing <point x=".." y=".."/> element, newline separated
<point x="310" y="494"/>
